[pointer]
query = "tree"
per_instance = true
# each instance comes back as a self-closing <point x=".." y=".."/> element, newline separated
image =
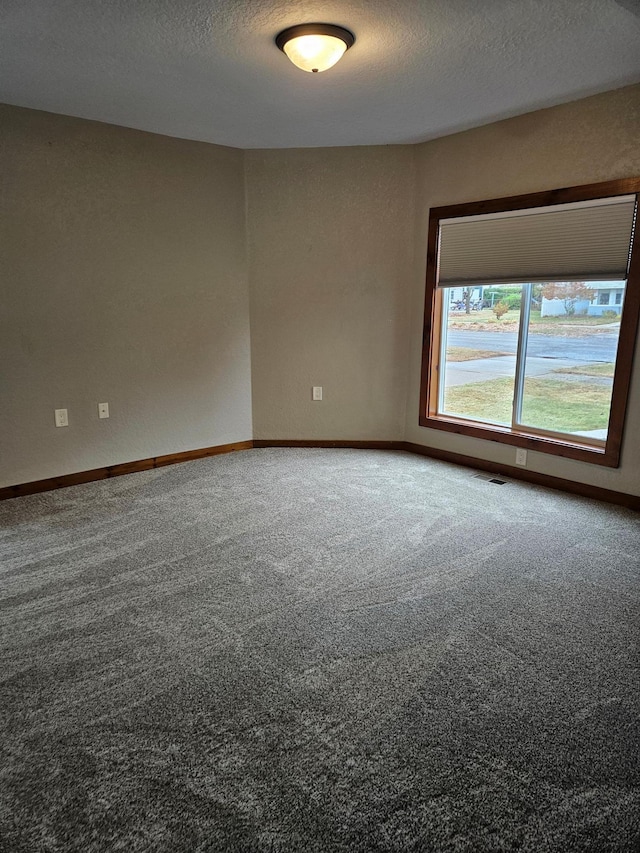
<point x="499" y="309"/>
<point x="568" y="291"/>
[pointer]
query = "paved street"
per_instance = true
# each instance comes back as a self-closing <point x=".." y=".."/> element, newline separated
<point x="598" y="347"/>
<point x="483" y="369"/>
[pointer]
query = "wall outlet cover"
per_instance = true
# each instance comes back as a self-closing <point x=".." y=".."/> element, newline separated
<point x="521" y="456"/>
<point x="62" y="417"/>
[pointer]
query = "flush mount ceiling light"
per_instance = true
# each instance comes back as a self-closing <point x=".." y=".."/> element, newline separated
<point x="315" y="47"/>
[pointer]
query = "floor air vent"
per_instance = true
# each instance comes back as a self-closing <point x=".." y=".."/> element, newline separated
<point x="489" y="479"/>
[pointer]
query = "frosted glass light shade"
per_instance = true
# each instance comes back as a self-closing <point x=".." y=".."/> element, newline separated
<point x="314" y="47"/>
<point x="315" y="53"/>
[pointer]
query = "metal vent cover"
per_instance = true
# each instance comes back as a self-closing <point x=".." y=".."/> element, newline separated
<point x="489" y="479"/>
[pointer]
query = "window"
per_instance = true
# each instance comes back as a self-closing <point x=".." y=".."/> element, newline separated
<point x="524" y="342"/>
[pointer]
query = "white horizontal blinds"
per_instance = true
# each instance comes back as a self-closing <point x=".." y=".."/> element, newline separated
<point x="584" y="241"/>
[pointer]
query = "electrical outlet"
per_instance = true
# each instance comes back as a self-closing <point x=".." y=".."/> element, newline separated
<point x="103" y="410"/>
<point x="62" y="417"/>
<point x="317" y="392"/>
<point x="521" y="456"/>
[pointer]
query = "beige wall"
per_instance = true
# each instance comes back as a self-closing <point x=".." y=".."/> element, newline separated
<point x="123" y="280"/>
<point x="595" y="139"/>
<point x="330" y="257"/>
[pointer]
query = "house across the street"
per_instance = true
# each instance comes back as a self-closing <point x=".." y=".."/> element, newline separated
<point x="606" y="296"/>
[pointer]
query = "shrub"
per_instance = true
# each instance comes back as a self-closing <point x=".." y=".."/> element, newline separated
<point x="610" y="315"/>
<point x="500" y="308"/>
<point x="513" y="302"/>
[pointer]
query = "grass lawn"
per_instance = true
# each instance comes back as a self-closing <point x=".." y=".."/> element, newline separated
<point x="466" y="354"/>
<point x="484" y="320"/>
<point x="567" y="326"/>
<point x="512" y="315"/>
<point x="548" y="403"/>
<point x="572" y="320"/>
<point x="604" y="369"/>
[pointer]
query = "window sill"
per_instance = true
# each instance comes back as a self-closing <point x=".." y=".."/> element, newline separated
<point x="599" y="454"/>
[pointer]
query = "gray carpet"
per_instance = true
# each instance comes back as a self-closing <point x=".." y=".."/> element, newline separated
<point x="318" y="650"/>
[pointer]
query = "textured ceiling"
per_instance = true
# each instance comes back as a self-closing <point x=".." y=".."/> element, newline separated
<point x="210" y="70"/>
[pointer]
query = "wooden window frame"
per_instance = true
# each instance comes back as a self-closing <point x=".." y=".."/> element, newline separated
<point x="607" y="455"/>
